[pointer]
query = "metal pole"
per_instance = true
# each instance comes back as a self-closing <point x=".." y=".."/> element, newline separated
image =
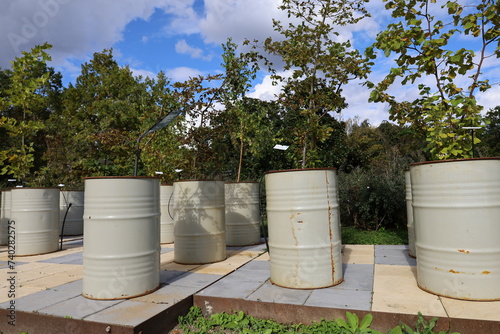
<point x="472" y="128"/>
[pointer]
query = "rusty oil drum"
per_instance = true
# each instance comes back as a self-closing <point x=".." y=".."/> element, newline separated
<point x="304" y="228"/>
<point x="456" y="209"/>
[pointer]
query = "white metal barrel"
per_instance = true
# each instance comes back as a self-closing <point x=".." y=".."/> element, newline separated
<point x="456" y="208"/>
<point x="304" y="228"/>
<point x="73" y="225"/>
<point x="167" y="214"/>
<point x="409" y="213"/>
<point x="35" y="216"/>
<point x="4" y="217"/>
<point x="242" y="213"/>
<point x="121" y="245"/>
<point x="200" y="231"/>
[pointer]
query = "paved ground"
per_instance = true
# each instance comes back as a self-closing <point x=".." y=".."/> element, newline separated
<point x="378" y="279"/>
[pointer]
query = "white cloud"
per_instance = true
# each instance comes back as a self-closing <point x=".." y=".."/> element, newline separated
<point x="180" y="74"/>
<point x="144" y="73"/>
<point x="238" y="19"/>
<point x="183" y="47"/>
<point x="74" y="28"/>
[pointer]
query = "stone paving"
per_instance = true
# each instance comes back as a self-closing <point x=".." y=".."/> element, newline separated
<point x="377" y="279"/>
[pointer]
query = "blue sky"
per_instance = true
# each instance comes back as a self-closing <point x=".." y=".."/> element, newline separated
<point x="181" y="38"/>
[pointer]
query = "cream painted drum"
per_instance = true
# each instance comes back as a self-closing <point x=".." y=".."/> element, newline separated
<point x="304" y="228"/>
<point x="4" y="217"/>
<point x="409" y="213"/>
<point x="73" y="225"/>
<point x="121" y="245"/>
<point x="456" y="209"/>
<point x="34" y="214"/>
<point x="242" y="213"/>
<point x="200" y="230"/>
<point x="167" y="212"/>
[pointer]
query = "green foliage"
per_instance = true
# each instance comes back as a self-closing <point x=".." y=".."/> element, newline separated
<point x="353" y="326"/>
<point x="490" y="135"/>
<point x="24" y="106"/>
<point x="239" y="322"/>
<point x="421" y="45"/>
<point x="244" y="120"/>
<point x="370" y="199"/>
<point x="320" y="67"/>
<point x="422" y="327"/>
<point x="355" y="236"/>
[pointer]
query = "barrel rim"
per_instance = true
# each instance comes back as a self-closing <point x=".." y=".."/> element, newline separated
<point x="452" y="160"/>
<point x="240" y="182"/>
<point x="298" y="170"/>
<point x="198" y="180"/>
<point x="120" y="177"/>
<point x="34" y="188"/>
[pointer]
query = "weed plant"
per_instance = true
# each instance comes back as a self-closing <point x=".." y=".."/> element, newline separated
<point x="240" y="323"/>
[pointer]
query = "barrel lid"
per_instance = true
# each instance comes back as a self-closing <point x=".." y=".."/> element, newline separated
<point x="452" y="160"/>
<point x="120" y="177"/>
<point x="41" y="188"/>
<point x="197" y="180"/>
<point x="241" y="182"/>
<point x="298" y="170"/>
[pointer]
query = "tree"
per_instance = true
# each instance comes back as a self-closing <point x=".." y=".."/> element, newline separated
<point x="95" y="133"/>
<point x="490" y="137"/>
<point x="245" y="122"/>
<point x="29" y="89"/>
<point x="320" y="67"/>
<point x="162" y="151"/>
<point x="421" y="43"/>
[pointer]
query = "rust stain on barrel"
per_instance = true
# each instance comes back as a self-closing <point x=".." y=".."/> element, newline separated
<point x="464" y="251"/>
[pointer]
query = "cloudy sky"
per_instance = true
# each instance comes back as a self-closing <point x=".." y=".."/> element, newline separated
<point x="180" y="37"/>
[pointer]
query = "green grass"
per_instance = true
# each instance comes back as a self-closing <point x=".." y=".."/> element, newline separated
<point x="353" y="236"/>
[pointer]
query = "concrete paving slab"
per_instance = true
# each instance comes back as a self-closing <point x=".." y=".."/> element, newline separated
<point x="355" y="280"/>
<point x="166" y="250"/>
<point x="65" y="259"/>
<point x="269" y="292"/>
<point x="166" y="258"/>
<point x="21" y="291"/>
<point x="335" y="297"/>
<point x="78" y="307"/>
<point x="128" y="313"/>
<point x="263" y="257"/>
<point x="472" y="309"/>
<point x="232" y="286"/>
<point x="358" y="254"/>
<point x="62" y="277"/>
<point x="395" y="290"/>
<point x="394" y="255"/>
<point x="257" y="265"/>
<point x="167" y="276"/>
<point x="195" y="280"/>
<point x="168" y="295"/>
<point x="255" y="248"/>
<point x="41" y="299"/>
<point x="358" y="270"/>
<point x="177" y="266"/>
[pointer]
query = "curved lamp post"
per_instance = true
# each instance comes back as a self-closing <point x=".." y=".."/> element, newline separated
<point x="161" y="124"/>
